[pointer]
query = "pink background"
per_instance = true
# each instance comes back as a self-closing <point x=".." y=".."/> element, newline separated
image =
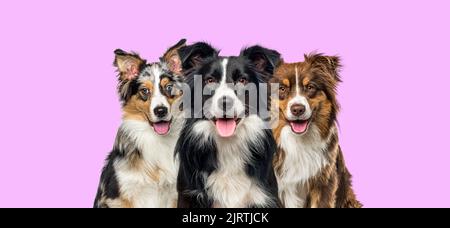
<point x="60" y="112"/>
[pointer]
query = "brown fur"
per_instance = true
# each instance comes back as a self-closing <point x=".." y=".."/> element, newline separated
<point x="138" y="107"/>
<point x="331" y="187"/>
<point x="172" y="58"/>
<point x="126" y="157"/>
<point x="119" y="202"/>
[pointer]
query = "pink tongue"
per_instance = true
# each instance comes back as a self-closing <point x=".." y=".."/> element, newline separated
<point x="299" y="127"/>
<point x="226" y="127"/>
<point x="161" y="128"/>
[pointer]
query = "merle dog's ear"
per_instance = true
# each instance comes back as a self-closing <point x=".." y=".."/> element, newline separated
<point x="265" y="60"/>
<point x="330" y="65"/>
<point x="128" y="64"/>
<point x="194" y="55"/>
<point x="172" y="59"/>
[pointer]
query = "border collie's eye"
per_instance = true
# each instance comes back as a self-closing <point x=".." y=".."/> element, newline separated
<point x="243" y="81"/>
<point x="145" y="91"/>
<point x="282" y="89"/>
<point x="310" y="87"/>
<point x="210" y="80"/>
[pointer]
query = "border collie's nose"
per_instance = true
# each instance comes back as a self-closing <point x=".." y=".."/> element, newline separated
<point x="226" y="103"/>
<point x="160" y="111"/>
<point x="298" y="109"/>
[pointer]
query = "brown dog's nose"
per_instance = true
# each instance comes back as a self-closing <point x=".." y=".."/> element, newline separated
<point x="297" y="109"/>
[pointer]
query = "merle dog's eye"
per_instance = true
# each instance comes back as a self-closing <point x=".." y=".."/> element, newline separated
<point x="210" y="80"/>
<point x="145" y="91"/>
<point x="169" y="88"/>
<point x="243" y="81"/>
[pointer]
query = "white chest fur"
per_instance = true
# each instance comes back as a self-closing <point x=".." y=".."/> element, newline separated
<point x="229" y="185"/>
<point x="304" y="158"/>
<point x="153" y="182"/>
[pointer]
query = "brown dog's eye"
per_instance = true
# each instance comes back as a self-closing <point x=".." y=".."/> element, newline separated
<point x="311" y="90"/>
<point x="310" y="87"/>
<point x="283" y="91"/>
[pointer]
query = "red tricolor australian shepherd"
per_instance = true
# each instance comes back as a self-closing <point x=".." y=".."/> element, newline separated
<point x="309" y="163"/>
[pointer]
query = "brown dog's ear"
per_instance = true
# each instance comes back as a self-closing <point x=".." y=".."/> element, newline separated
<point x="327" y="64"/>
<point x="172" y="59"/>
<point x="128" y="64"/>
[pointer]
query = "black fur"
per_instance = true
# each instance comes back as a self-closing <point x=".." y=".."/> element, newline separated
<point x="265" y="60"/>
<point x="108" y="179"/>
<point x="200" y="160"/>
<point x="124" y="147"/>
<point x="195" y="160"/>
<point x="195" y="55"/>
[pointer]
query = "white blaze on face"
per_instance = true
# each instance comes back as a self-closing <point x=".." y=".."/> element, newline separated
<point x="158" y="99"/>
<point x="160" y="125"/>
<point x="223" y="81"/>
<point x="225" y="122"/>
<point x="298" y="99"/>
<point x="297" y="85"/>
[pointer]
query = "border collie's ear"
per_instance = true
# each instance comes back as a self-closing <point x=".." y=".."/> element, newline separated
<point x="265" y="60"/>
<point x="329" y="64"/>
<point x="172" y="59"/>
<point x="128" y="64"/>
<point x="194" y="55"/>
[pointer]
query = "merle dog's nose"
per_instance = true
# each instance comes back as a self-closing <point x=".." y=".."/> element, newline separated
<point x="298" y="109"/>
<point x="160" y="111"/>
<point x="226" y="103"/>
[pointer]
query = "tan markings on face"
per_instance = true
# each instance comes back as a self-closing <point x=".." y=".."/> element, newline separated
<point x="138" y="107"/>
<point x="170" y="98"/>
<point x="164" y="82"/>
<point x="306" y="81"/>
<point x="286" y="82"/>
<point x="321" y="107"/>
<point x="319" y="103"/>
<point x="286" y="74"/>
<point x="288" y="77"/>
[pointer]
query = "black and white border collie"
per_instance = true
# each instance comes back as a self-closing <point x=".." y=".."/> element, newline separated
<point x="226" y="151"/>
<point x="141" y="170"/>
